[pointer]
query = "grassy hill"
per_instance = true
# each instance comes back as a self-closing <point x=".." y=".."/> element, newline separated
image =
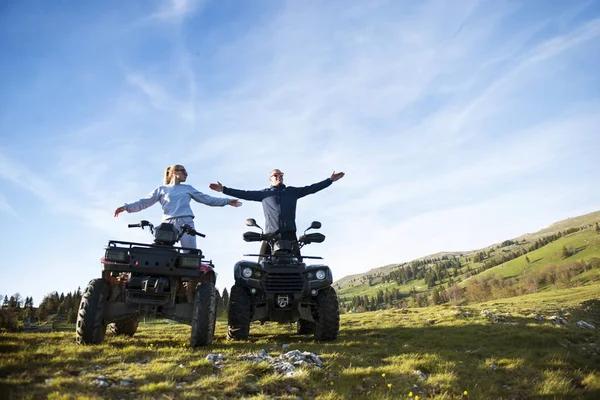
<point x="517" y="262"/>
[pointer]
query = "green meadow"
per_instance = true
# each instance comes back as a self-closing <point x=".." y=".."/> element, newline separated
<point x="534" y="333"/>
<point x="529" y="347"/>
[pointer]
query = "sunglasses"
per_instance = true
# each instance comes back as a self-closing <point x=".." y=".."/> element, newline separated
<point x="276" y="175"/>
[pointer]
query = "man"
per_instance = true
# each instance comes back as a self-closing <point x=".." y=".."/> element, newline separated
<point x="278" y="201"/>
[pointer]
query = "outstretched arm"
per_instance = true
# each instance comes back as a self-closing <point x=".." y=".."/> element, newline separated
<point x="314" y="188"/>
<point x="140" y="204"/>
<point x="251" y="195"/>
<point x="213" y="201"/>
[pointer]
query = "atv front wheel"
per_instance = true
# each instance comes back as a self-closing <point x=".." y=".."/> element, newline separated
<point x="240" y="313"/>
<point x="328" y="315"/>
<point x="127" y="326"/>
<point x="204" y="314"/>
<point x="304" y="327"/>
<point x="91" y="327"/>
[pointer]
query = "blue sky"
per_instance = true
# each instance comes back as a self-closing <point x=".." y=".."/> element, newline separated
<point x="458" y="124"/>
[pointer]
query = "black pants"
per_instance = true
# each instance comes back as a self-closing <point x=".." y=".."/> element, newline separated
<point x="265" y="247"/>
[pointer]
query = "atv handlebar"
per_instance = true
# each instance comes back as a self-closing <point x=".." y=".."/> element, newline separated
<point x="191" y="231"/>
<point x="184" y="229"/>
<point x="141" y="224"/>
<point x="269" y="237"/>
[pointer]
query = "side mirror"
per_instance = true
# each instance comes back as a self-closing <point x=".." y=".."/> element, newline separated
<point x="315" y="225"/>
<point x="250" y="222"/>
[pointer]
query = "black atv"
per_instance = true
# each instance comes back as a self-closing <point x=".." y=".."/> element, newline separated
<point x="150" y="279"/>
<point x="280" y="287"/>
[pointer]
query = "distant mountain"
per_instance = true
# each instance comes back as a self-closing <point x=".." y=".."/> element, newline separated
<point x="490" y="257"/>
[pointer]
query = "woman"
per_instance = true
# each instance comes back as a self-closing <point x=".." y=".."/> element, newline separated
<point x="175" y="201"/>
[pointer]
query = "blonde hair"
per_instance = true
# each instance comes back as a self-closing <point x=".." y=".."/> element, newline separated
<point x="169" y="172"/>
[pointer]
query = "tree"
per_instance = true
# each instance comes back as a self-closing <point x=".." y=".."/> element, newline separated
<point x="527" y="260"/>
<point x="71" y="316"/>
<point x="435" y="297"/>
<point x="18" y="300"/>
<point x="5" y="302"/>
<point x="566" y="252"/>
<point x="597" y="228"/>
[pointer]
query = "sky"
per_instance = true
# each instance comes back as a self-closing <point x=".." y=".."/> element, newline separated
<point x="458" y="124"/>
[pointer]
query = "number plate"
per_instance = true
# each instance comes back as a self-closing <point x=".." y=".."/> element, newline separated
<point x="283" y="300"/>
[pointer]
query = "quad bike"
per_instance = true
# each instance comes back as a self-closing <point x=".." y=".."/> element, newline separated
<point x="282" y="288"/>
<point x="150" y="279"/>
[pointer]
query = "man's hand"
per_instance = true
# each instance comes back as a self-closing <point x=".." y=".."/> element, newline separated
<point x="119" y="211"/>
<point x="335" y="177"/>
<point x="217" y="187"/>
<point x="235" y="203"/>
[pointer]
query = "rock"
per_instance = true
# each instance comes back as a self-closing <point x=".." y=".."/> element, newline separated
<point x="100" y="383"/>
<point x="216" y="359"/>
<point x="286" y="363"/>
<point x="558" y="320"/>
<point x="490" y="315"/>
<point x="420" y="374"/>
<point x="127" y="381"/>
<point x="285" y="346"/>
<point x="586" y="325"/>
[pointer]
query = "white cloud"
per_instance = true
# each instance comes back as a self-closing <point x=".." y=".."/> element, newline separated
<point x="177" y="10"/>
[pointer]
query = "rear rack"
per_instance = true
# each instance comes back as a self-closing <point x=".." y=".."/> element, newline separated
<point x="113" y="243"/>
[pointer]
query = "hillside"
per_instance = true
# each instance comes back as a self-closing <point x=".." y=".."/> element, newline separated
<point x="572" y="244"/>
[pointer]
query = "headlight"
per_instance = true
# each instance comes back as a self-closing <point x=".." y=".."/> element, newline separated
<point x="116" y="255"/>
<point x="189" y="262"/>
<point x="320" y="274"/>
<point x="247" y="272"/>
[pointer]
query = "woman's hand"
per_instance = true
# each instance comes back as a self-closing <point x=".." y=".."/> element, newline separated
<point x="235" y="203"/>
<point x="119" y="211"/>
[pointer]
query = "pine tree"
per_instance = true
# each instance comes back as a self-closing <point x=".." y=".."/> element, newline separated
<point x="225" y="299"/>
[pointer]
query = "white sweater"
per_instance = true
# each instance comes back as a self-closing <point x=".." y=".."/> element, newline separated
<point x="175" y="201"/>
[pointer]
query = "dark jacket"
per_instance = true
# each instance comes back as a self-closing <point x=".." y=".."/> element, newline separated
<point x="279" y="203"/>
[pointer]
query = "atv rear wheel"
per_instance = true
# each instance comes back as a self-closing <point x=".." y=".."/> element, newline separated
<point x="240" y="313"/>
<point x="328" y="315"/>
<point x="204" y="314"/>
<point x="91" y="327"/>
<point x="304" y="327"/>
<point x="127" y="326"/>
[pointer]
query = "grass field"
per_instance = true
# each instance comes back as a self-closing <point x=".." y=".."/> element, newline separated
<point x="441" y="352"/>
